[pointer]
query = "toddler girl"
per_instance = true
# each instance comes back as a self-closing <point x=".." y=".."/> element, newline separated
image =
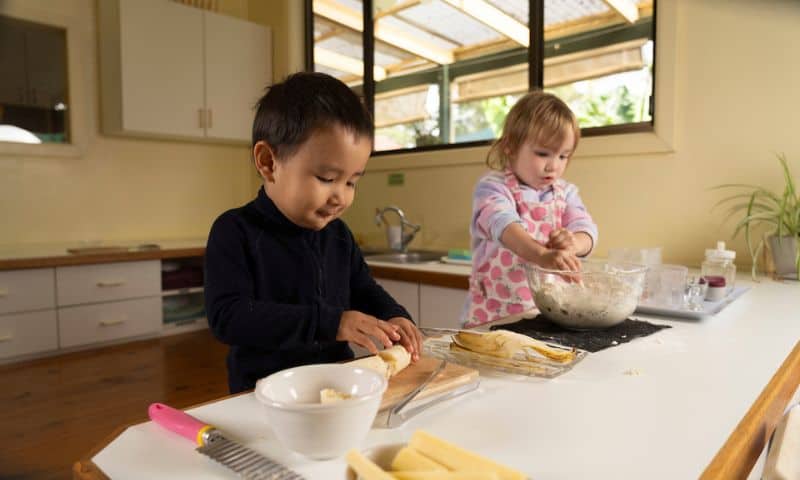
<point x="523" y="211"/>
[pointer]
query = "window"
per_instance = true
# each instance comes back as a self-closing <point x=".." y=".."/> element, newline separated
<point x="446" y="72"/>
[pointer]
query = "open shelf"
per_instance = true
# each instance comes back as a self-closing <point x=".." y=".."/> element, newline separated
<point x="181" y="291"/>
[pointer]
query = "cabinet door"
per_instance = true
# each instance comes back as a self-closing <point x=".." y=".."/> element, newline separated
<point x="107" y="281"/>
<point x="405" y="293"/>
<point x="441" y="307"/>
<point x="25" y="290"/>
<point x="161" y="62"/>
<point x="105" y="322"/>
<point x="29" y="332"/>
<point x="238" y="67"/>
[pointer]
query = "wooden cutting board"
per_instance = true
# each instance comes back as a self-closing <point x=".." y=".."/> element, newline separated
<point x="453" y="376"/>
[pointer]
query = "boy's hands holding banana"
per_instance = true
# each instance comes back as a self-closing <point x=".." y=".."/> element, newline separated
<point x="363" y="330"/>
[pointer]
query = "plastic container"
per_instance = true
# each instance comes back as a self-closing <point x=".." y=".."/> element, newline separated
<point x="719" y="263"/>
<point x="717" y="289"/>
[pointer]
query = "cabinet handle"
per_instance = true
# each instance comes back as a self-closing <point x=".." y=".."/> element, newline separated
<point x="6" y="338"/>
<point x="210" y="122"/>
<point x="3" y="292"/>
<point x="111" y="323"/>
<point x="110" y="283"/>
<point x="201" y="118"/>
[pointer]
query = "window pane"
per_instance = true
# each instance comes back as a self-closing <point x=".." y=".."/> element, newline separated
<point x="338" y="46"/>
<point x="407" y="118"/>
<point x="600" y="60"/>
<point x="33" y="82"/>
<point x="446" y="71"/>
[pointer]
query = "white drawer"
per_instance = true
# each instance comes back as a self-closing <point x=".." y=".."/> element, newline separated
<point x="109" y="281"/>
<point x="108" y="321"/>
<point x="31" y="332"/>
<point x="25" y="290"/>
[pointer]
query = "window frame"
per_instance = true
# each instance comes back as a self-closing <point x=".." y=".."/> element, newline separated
<point x="535" y="53"/>
<point x="77" y="75"/>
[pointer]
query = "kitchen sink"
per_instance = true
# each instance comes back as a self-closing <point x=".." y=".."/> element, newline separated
<point x="411" y="256"/>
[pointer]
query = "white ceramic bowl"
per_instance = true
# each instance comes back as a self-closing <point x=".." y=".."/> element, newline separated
<point x="321" y="431"/>
<point x="601" y="295"/>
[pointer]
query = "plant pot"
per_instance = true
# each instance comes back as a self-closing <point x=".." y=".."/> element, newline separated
<point x="784" y="254"/>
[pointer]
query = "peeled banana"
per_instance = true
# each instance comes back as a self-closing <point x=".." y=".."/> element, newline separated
<point x="387" y="362"/>
<point x="505" y="344"/>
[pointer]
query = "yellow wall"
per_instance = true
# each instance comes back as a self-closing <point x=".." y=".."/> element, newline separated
<point x="737" y="101"/>
<point x="117" y="189"/>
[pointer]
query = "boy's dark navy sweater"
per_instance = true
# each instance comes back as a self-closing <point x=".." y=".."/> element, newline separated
<point x="275" y="292"/>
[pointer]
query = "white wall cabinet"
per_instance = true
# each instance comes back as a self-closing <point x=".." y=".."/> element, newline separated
<point x="47" y="309"/>
<point x="429" y="305"/>
<point x="104" y="322"/>
<point x="405" y="293"/>
<point x="109" y="301"/>
<point x="27" y="312"/>
<point x="174" y="71"/>
<point x="441" y="307"/>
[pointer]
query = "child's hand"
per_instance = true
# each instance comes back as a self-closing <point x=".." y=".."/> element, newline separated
<point x="361" y="329"/>
<point x="560" y="260"/>
<point x="410" y="336"/>
<point x="562" y="239"/>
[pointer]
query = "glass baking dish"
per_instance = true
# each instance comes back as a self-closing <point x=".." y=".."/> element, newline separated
<point x="438" y="344"/>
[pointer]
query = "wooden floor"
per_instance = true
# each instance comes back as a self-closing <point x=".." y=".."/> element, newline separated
<point x="54" y="411"/>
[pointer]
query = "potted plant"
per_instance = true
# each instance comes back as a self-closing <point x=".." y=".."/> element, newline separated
<point x="775" y="215"/>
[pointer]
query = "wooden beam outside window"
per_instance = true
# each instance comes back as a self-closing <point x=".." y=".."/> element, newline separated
<point x="494" y="18"/>
<point x="625" y="8"/>
<point x="383" y="32"/>
<point x="343" y="63"/>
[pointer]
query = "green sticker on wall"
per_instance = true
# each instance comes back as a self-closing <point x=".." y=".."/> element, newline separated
<point x="397" y="179"/>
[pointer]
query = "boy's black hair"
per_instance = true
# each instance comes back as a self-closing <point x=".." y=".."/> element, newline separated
<point x="304" y="102"/>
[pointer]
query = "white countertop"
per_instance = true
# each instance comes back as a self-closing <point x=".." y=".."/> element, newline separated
<point x="696" y="381"/>
<point x="48" y="250"/>
<point x="437" y="267"/>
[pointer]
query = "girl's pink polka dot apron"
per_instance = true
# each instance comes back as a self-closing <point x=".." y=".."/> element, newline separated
<point x="499" y="287"/>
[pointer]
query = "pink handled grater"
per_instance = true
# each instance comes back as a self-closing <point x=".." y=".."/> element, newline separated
<point x="247" y="463"/>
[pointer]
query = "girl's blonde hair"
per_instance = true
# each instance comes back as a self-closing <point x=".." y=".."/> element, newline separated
<point x="538" y="116"/>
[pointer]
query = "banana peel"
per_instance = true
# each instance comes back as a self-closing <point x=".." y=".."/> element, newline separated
<point x="505" y="344"/>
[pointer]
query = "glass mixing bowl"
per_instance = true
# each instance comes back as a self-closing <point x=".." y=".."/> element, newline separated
<point x="601" y="295"/>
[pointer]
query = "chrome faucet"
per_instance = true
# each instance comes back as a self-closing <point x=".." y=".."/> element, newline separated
<point x="408" y="230"/>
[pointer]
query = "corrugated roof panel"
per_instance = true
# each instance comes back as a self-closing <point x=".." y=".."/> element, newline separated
<point x="386" y="55"/>
<point x="560" y="11"/>
<point x="348" y="44"/>
<point x="418" y="33"/>
<point x="516" y="8"/>
<point x="449" y="22"/>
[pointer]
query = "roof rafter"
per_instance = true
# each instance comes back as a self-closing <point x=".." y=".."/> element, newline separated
<point x="343" y="63"/>
<point x="386" y="33"/>
<point x="494" y="18"/>
<point x="627" y="9"/>
<point x="396" y="8"/>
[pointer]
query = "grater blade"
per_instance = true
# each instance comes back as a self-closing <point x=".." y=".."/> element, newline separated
<point x="249" y="464"/>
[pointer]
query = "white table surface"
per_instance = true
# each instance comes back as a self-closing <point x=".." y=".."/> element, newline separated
<point x="695" y="382"/>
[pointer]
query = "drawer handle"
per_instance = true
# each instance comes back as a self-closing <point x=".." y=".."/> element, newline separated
<point x="110" y="283"/>
<point x="3" y="292"/>
<point x="6" y="338"/>
<point x="111" y="323"/>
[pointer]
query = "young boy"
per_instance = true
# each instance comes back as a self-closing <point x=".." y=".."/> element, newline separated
<point x="286" y="284"/>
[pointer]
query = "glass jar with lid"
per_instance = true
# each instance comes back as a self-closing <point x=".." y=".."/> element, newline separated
<point x="719" y="263"/>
